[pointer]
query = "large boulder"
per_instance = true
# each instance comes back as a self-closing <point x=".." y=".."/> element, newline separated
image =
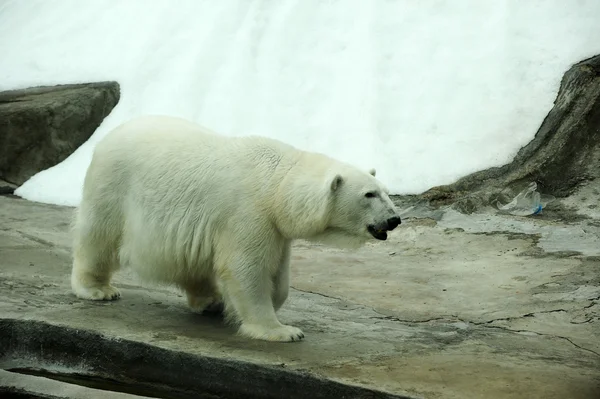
<point x="41" y="126"/>
<point x="564" y="154"/>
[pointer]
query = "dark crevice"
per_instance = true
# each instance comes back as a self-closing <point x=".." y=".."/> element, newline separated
<point x="113" y="385"/>
<point x="593" y="302"/>
<point x="317" y="293"/>
<point x="412" y="321"/>
<point x="544" y="335"/>
<point x="532" y="314"/>
<point x="582" y="322"/>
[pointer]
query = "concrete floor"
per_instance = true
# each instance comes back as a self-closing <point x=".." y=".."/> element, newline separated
<point x="480" y="306"/>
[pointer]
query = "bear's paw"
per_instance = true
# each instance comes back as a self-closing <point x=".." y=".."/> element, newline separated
<point x="281" y="333"/>
<point x="103" y="293"/>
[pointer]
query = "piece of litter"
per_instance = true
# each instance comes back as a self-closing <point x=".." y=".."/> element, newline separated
<point x="527" y="202"/>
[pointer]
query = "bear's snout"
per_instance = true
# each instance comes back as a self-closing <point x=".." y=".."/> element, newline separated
<point x="393" y="222"/>
<point x="387" y="225"/>
<point x="379" y="231"/>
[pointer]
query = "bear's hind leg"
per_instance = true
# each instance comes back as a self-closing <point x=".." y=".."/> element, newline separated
<point x="90" y="278"/>
<point x="202" y="296"/>
<point x="94" y="262"/>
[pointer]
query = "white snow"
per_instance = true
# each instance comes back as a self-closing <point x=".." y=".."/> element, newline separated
<point x="425" y="91"/>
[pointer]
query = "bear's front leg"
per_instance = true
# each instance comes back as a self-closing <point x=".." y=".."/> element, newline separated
<point x="247" y="288"/>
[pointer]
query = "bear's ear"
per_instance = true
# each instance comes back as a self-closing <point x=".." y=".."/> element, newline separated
<point x="372" y="172"/>
<point x="336" y="182"/>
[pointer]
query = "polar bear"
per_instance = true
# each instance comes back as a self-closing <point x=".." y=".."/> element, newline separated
<point x="216" y="216"/>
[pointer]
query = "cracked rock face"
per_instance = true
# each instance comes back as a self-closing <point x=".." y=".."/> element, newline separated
<point x="42" y="126"/>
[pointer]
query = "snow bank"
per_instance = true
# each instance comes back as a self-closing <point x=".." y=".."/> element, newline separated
<point x="425" y="91"/>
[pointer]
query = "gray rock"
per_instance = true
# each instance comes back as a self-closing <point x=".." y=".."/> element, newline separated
<point x="564" y="153"/>
<point x="6" y="187"/>
<point x="41" y="126"/>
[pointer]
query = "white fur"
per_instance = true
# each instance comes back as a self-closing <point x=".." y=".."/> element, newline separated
<point x="214" y="215"/>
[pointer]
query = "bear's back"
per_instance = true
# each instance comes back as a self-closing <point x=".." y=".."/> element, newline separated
<point x="169" y="157"/>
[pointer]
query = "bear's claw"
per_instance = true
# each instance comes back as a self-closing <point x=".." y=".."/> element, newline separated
<point x="279" y="334"/>
<point x="106" y="293"/>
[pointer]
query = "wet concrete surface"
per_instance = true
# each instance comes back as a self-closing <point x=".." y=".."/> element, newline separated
<point x="478" y="306"/>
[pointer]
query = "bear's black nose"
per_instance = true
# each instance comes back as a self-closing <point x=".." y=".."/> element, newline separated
<point x="393" y="222"/>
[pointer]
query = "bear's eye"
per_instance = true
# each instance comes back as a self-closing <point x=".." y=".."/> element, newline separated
<point x="370" y="194"/>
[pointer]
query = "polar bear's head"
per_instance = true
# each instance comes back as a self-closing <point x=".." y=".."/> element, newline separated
<point x="337" y="205"/>
<point x="360" y="209"/>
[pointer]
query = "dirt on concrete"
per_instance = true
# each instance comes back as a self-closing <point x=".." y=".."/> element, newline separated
<point x="451" y="306"/>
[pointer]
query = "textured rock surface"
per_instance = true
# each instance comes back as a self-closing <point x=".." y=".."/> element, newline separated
<point x="41" y="126"/>
<point x="6" y="187"/>
<point x="564" y="153"/>
<point x="481" y="306"/>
